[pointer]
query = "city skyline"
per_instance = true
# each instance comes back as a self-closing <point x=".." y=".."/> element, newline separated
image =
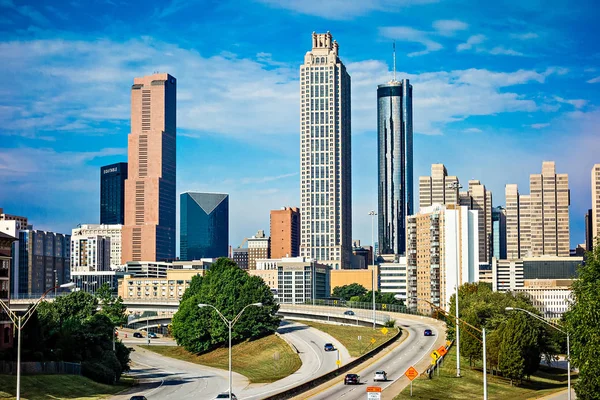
<point x="532" y="108"/>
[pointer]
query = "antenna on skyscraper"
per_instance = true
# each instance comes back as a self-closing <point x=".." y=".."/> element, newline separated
<point x="394" y="61"/>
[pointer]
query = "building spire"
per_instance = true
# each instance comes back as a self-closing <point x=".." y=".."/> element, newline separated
<point x="394" y="61"/>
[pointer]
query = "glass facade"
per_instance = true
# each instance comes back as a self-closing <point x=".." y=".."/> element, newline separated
<point x="112" y="193"/>
<point x="499" y="233"/>
<point x="550" y="269"/>
<point x="204" y="230"/>
<point x="395" y="165"/>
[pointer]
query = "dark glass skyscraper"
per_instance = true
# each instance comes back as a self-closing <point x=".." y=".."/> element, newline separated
<point x="395" y="164"/>
<point x="204" y="230"/>
<point x="112" y="193"/>
<point x="499" y="233"/>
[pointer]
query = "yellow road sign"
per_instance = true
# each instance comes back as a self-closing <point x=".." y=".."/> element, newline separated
<point x="338" y="362"/>
<point x="384" y="306"/>
<point x="384" y="330"/>
<point x="373" y="340"/>
<point x="435" y="355"/>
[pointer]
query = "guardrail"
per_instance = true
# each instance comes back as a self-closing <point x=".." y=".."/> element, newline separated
<point x="364" y="306"/>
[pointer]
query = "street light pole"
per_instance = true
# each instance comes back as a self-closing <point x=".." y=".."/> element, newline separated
<point x="457" y="186"/>
<point x="372" y="213"/>
<point x="230" y="325"/>
<point x="558" y="329"/>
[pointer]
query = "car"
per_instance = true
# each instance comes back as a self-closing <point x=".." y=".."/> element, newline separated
<point x="225" y="395"/>
<point x="137" y="335"/>
<point x="138" y="398"/>
<point x="152" y="335"/>
<point x="427" y="332"/>
<point x="351" y="379"/>
<point x="328" y="347"/>
<point x="349" y="312"/>
<point x="380" y="376"/>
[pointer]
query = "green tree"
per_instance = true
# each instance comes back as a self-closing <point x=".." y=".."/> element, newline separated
<point x="112" y="306"/>
<point x="229" y="289"/>
<point x="347" y="291"/>
<point x="583" y="325"/>
<point x="510" y="357"/>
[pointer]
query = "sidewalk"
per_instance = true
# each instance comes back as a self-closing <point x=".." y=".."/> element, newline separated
<point x="560" y="395"/>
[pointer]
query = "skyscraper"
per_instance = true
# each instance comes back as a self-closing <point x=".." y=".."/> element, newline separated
<point x="478" y="198"/>
<point x="499" y="233"/>
<point x="589" y="231"/>
<point x="395" y="164"/>
<point x="150" y="199"/>
<point x="595" y="223"/>
<point x="439" y="188"/>
<point x="204" y="225"/>
<point x="325" y="155"/>
<point x="112" y="193"/>
<point x="285" y="232"/>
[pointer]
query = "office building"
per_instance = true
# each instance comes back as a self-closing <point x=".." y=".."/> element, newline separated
<point x="439" y="188"/>
<point x="595" y="224"/>
<point x="363" y="277"/>
<point x="285" y="232"/>
<point x="325" y="155"/>
<point x="538" y="224"/>
<point x="551" y="297"/>
<point x="240" y="257"/>
<point x="479" y="199"/>
<point x="112" y="194"/>
<point x="6" y="330"/>
<point x="394" y="164"/>
<point x="393" y="278"/>
<point x="12" y="227"/>
<point x="589" y="231"/>
<point x="204" y="225"/>
<point x="91" y="281"/>
<point x="259" y="247"/>
<point x="171" y="287"/>
<point x="113" y="232"/>
<point x="150" y="198"/>
<point x="499" y="232"/>
<point x="440" y="240"/>
<point x="90" y="253"/>
<point x="8" y="217"/>
<point x="363" y="255"/>
<point x="299" y="279"/>
<point x="509" y="275"/>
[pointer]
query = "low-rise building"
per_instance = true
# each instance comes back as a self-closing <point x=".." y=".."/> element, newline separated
<point x="90" y="281"/>
<point x="510" y="275"/>
<point x="393" y="277"/>
<point x="364" y="277"/>
<point x="171" y="287"/>
<point x="550" y="296"/>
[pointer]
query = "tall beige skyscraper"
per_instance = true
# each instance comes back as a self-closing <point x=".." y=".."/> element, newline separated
<point x="439" y="188"/>
<point x="538" y="224"/>
<point x="150" y="199"/>
<point x="595" y="225"/>
<point x="325" y="155"/>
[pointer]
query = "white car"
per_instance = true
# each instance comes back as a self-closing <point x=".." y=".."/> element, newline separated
<point x="380" y="376"/>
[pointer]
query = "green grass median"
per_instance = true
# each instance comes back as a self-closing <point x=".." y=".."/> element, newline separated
<point x="264" y="360"/>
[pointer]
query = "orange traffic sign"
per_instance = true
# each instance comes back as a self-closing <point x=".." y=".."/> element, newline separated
<point x="373" y="389"/>
<point x="442" y="350"/>
<point x="411" y="373"/>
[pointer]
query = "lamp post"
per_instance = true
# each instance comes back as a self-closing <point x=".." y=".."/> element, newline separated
<point x="558" y="329"/>
<point x="20" y="320"/>
<point x="373" y="214"/>
<point x="230" y="325"/>
<point x="457" y="186"/>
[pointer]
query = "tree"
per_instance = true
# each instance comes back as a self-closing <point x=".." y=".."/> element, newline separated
<point x="229" y="289"/>
<point x="112" y="306"/>
<point x="583" y="325"/>
<point x="347" y="291"/>
<point x="510" y="357"/>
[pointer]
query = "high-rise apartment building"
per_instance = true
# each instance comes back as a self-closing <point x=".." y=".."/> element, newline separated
<point x="90" y="253"/>
<point x="395" y="164"/>
<point x="595" y="223"/>
<point x="285" y="232"/>
<point x="325" y="155"/>
<point x="589" y="231"/>
<point x="538" y="224"/>
<point x="113" y="232"/>
<point x="204" y="225"/>
<point x="112" y="193"/>
<point x="8" y="217"/>
<point x="150" y="198"/>
<point x="499" y="233"/>
<point x="259" y="247"/>
<point x="441" y="238"/>
<point x="439" y="188"/>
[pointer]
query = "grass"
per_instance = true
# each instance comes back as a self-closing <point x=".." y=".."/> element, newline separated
<point x="34" y="387"/>
<point x="348" y="336"/>
<point x="264" y="360"/>
<point x="470" y="386"/>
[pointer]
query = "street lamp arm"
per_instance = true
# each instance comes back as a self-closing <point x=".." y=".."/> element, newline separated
<point x="218" y="312"/>
<point x="7" y="310"/>
<point x="536" y="317"/>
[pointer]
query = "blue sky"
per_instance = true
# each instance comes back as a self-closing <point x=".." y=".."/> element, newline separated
<point x="499" y="87"/>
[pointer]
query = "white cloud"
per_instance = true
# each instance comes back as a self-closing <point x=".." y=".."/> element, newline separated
<point x="539" y="126"/>
<point x="594" y="80"/>
<point x="473" y="130"/>
<point x="342" y="9"/>
<point x="501" y="50"/>
<point x="577" y="103"/>
<point x="471" y="41"/>
<point x="447" y="27"/>
<point x="407" y="34"/>
<point x="524" y="36"/>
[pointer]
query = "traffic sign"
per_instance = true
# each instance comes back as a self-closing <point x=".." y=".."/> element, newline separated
<point x="373" y="340"/>
<point x="384" y="306"/>
<point x="373" y="393"/>
<point x="384" y="330"/>
<point x="338" y="362"/>
<point x="442" y="350"/>
<point x="411" y="373"/>
<point x="373" y="389"/>
<point x="448" y="343"/>
<point x="435" y="355"/>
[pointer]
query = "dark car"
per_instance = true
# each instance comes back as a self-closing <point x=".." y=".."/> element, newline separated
<point x="349" y="312"/>
<point x="328" y="347"/>
<point x="138" y="398"/>
<point x="427" y="332"/>
<point x="137" y="335"/>
<point x="351" y="379"/>
<point x="226" y="396"/>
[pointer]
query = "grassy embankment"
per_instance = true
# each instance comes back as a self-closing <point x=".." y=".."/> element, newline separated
<point x="38" y="387"/>
<point x="470" y="385"/>
<point x="264" y="360"/>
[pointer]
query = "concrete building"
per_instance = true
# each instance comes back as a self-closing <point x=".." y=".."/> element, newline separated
<point x="509" y="275"/>
<point x="393" y="278"/>
<point x="90" y="253"/>
<point x="440" y="240"/>
<point x="204" y="225"/>
<point x="90" y="281"/>
<point x="240" y="257"/>
<point x="112" y="194"/>
<point x="298" y="279"/>
<point x="363" y="277"/>
<point x="8" y="217"/>
<point x="325" y="155"/>
<point x="113" y="232"/>
<point x="478" y="198"/>
<point x="438" y="188"/>
<point x="394" y="164"/>
<point x="171" y="287"/>
<point x="285" y="232"/>
<point x="499" y="232"/>
<point x="550" y="296"/>
<point x="589" y="231"/>
<point x="150" y="198"/>
<point x="259" y="248"/>
<point x="12" y="227"/>
<point x="6" y="330"/>
<point x="363" y="255"/>
<point x="595" y="223"/>
<point x="538" y="224"/>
